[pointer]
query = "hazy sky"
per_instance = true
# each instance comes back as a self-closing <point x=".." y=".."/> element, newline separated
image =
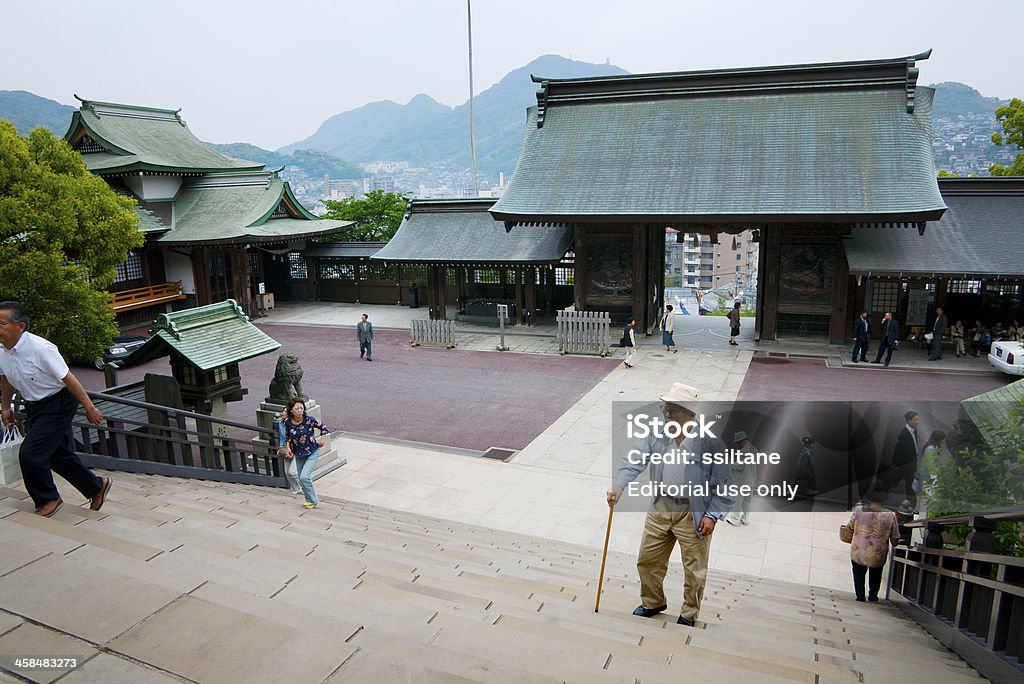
<point x="270" y="73"/>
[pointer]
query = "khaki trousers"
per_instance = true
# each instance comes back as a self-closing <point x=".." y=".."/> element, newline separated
<point x="661" y="532"/>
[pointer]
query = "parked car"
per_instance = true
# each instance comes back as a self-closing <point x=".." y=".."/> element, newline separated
<point x="1008" y="357"/>
<point x="120" y="347"/>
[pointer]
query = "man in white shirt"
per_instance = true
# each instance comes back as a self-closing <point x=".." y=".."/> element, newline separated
<point x="34" y="367"/>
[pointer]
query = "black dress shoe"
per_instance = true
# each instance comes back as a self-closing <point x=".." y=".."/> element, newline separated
<point x="684" y="621"/>
<point x="648" y="612"/>
<point x="860" y="599"/>
<point x="873" y="599"/>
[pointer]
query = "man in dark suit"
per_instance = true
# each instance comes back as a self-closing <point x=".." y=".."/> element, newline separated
<point x="890" y="333"/>
<point x="364" y="331"/>
<point x="904" y="456"/>
<point x="861" y="329"/>
<point x="938" y="330"/>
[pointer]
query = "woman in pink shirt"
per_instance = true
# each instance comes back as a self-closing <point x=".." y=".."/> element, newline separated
<point x="874" y="528"/>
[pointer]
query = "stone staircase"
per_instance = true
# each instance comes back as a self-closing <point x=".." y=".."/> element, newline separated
<point x="185" y="580"/>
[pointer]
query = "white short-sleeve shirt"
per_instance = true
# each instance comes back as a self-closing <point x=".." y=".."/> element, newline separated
<point x="34" y="367"/>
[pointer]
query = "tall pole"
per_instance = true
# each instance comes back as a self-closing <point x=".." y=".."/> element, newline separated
<point x="472" y="132"/>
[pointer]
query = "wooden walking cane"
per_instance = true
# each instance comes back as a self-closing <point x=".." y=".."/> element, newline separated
<point x="604" y="557"/>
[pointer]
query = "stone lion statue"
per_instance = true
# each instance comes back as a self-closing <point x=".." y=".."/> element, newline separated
<point x="287" y="381"/>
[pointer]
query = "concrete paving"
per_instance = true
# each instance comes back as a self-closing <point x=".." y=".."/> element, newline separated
<point x="554" y="486"/>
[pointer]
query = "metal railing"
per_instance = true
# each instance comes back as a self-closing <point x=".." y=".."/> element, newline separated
<point x="584" y="332"/>
<point x="972" y="601"/>
<point x="439" y="333"/>
<point x="140" y="437"/>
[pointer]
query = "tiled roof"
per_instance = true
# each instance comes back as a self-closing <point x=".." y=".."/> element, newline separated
<point x="207" y="336"/>
<point x="347" y="250"/>
<point x="991" y="409"/>
<point x="977" y="236"/>
<point x="462" y="231"/>
<point x="143" y="138"/>
<point x="822" y="142"/>
<point x="148" y="222"/>
<point x="237" y="207"/>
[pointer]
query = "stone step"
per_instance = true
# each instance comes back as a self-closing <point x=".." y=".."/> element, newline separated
<point x="60" y="528"/>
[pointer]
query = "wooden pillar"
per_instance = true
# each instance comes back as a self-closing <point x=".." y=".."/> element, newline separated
<point x="641" y="279"/>
<point x="531" y="296"/>
<point x="655" y="285"/>
<point x="768" y="282"/>
<point x="201" y="274"/>
<point x="840" y="285"/>
<point x="460" y="286"/>
<point x="580" y="274"/>
<point x="240" y="280"/>
<point x="517" y="275"/>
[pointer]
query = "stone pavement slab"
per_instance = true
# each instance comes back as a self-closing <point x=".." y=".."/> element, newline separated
<point x="247" y="649"/>
<point x="34" y="640"/>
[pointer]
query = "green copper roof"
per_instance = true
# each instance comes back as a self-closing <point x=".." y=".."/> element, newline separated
<point x="824" y="142"/>
<point x="992" y="408"/>
<point x="462" y="231"/>
<point x="985" y="217"/>
<point x="148" y="222"/>
<point x="206" y="336"/>
<point x="126" y="138"/>
<point x="248" y="206"/>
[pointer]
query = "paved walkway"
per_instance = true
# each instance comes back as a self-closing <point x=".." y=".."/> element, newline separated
<point x="554" y="487"/>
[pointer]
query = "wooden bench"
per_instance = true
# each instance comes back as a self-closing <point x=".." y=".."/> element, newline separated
<point x="141" y="297"/>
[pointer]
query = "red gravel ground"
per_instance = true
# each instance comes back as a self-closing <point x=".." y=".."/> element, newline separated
<point x="799" y="379"/>
<point x="473" y="400"/>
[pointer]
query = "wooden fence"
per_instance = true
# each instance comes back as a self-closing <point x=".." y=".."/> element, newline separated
<point x="584" y="332"/>
<point x="430" y="332"/>
<point x="163" y="293"/>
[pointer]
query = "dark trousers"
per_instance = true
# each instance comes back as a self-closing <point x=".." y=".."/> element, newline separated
<point x="874" y="576"/>
<point x="366" y="348"/>
<point x="905" y="473"/>
<point x="936" y="352"/>
<point x="860" y="350"/>
<point x="48" y="448"/>
<point x="883" y="346"/>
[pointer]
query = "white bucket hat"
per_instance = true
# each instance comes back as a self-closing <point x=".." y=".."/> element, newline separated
<point x="683" y="395"/>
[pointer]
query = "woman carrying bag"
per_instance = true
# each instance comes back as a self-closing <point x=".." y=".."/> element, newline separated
<point x="298" y="430"/>
<point x="874" y="528"/>
<point x="667" y="326"/>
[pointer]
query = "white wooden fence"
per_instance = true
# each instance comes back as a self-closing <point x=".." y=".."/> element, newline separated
<point x="584" y="332"/>
<point x="434" y="333"/>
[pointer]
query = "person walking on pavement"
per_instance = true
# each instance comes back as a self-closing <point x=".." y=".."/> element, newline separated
<point x="874" y="529"/>
<point x="298" y="429"/>
<point x="742" y="474"/>
<point x="905" y="454"/>
<point x="734" y="324"/>
<point x="34" y="366"/>
<point x="364" y="331"/>
<point x="686" y="520"/>
<point x="667" y="327"/>
<point x="629" y="342"/>
<point x="861" y="335"/>
<point x="889" y="335"/>
<point x="938" y="331"/>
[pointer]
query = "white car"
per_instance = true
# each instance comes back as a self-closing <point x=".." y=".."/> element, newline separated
<point x="1007" y="357"/>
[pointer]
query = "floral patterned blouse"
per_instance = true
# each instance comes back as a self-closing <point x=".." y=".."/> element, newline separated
<point x="873" y="530"/>
<point x="300" y="437"/>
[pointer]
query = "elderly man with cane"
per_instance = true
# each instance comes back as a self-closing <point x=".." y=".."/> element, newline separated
<point x="688" y="518"/>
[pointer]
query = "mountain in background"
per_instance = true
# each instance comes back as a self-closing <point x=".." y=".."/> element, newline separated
<point x="27" y="111"/>
<point x="313" y="163"/>
<point x="431" y="135"/>
<point x="425" y="132"/>
<point x="953" y="100"/>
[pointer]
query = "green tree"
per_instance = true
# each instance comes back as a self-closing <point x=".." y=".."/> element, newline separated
<point x="62" y="233"/>
<point x="1012" y="118"/>
<point x="377" y="216"/>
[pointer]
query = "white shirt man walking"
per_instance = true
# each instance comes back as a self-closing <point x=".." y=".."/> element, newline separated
<point x="34" y="367"/>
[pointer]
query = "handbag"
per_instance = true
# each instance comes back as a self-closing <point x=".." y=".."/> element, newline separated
<point x="10" y="447"/>
<point x="845" y="534"/>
